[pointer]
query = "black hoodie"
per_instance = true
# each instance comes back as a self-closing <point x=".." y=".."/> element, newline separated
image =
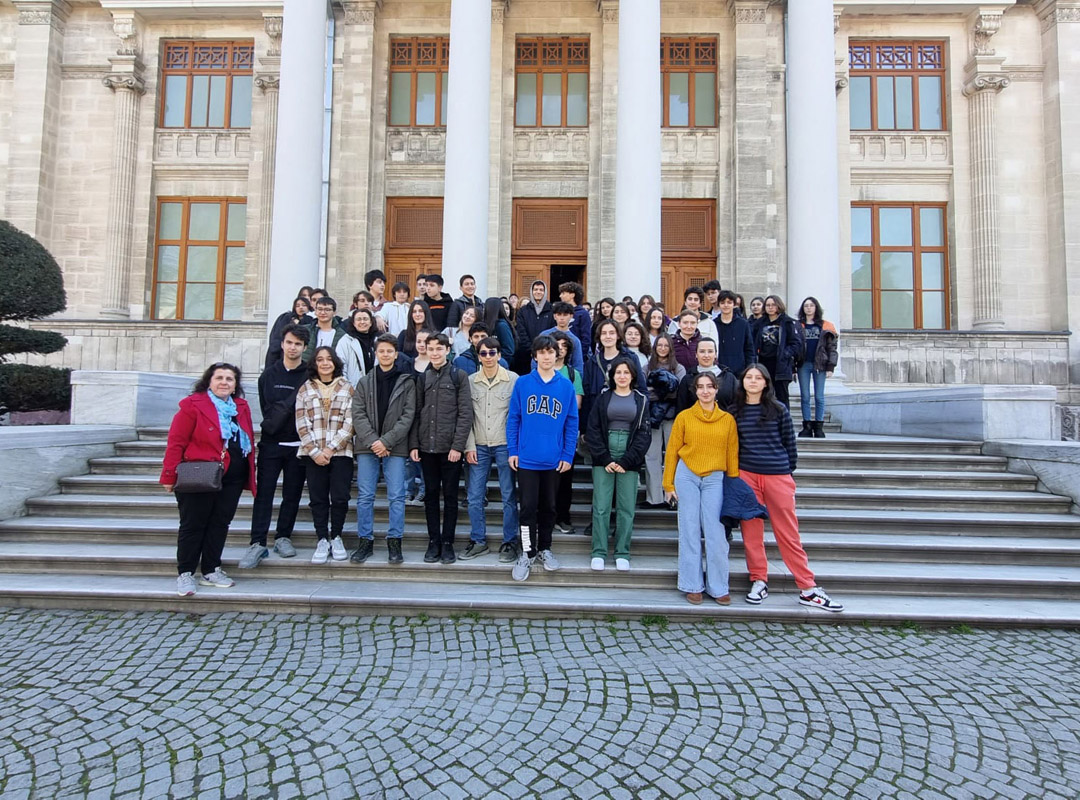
<point x="440" y="310"/>
<point x="277" y="399"/>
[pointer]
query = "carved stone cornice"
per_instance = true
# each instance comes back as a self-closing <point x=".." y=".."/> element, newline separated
<point x="43" y="12"/>
<point x="1051" y="12"/>
<point x="750" y="12"/>
<point x="608" y="10"/>
<point x="986" y="82"/>
<point x="125" y="82"/>
<point x="498" y="11"/>
<point x="268" y="82"/>
<point x="274" y="25"/>
<point x="987" y="23"/>
<point x="361" y="12"/>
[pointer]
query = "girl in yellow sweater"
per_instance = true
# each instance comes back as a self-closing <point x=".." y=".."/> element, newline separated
<point x="703" y="446"/>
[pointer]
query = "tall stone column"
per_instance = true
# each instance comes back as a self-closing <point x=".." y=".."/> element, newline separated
<point x="268" y="81"/>
<point x="35" y="115"/>
<point x="501" y="175"/>
<point x="637" y="152"/>
<point x="1061" y="115"/>
<point x="813" y="205"/>
<point x="602" y="206"/>
<point x="468" y="154"/>
<point x="297" y="211"/>
<point x="754" y="271"/>
<point x="985" y="79"/>
<point x="128" y="87"/>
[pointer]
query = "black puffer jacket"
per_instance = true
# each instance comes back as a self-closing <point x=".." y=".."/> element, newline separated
<point x="444" y="411"/>
<point x="596" y="433"/>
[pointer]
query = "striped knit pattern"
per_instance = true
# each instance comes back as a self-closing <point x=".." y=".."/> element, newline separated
<point x="706" y="443"/>
<point x="766" y="448"/>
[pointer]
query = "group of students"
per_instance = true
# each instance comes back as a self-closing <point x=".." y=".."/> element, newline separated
<point x="437" y="396"/>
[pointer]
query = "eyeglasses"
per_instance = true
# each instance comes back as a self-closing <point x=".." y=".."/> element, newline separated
<point x="488" y="353"/>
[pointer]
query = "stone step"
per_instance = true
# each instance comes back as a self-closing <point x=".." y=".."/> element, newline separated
<point x="141" y="487"/>
<point x="809" y="477"/>
<point x="913" y="548"/>
<point x="533" y="599"/>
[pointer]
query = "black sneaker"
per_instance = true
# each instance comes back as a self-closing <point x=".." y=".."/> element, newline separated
<point x="363" y="552"/>
<point x="509" y="552"/>
<point x="448" y="555"/>
<point x="394" y="548"/>
<point x="564" y="527"/>
<point x="434" y="550"/>
<point x="474" y="549"/>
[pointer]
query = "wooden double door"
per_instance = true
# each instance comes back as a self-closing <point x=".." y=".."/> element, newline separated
<point x="549" y="244"/>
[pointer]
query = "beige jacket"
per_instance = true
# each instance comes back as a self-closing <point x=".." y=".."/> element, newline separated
<point x="491" y="405"/>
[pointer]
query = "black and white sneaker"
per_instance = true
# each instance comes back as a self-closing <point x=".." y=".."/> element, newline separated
<point x="758" y="592"/>
<point x="474" y="549"/>
<point x="816" y="598"/>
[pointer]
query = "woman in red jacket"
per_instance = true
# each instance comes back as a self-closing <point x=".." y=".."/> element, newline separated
<point x="214" y="422"/>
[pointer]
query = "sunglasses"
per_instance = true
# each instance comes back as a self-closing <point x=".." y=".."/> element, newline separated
<point x="488" y="353"/>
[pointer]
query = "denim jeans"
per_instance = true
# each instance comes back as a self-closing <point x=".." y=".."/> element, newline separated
<point x="700" y="501"/>
<point x="806" y="374"/>
<point x="486" y="456"/>
<point x="367" y="478"/>
<point x="414" y="478"/>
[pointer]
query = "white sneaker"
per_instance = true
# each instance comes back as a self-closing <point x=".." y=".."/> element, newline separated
<point x="217" y="578"/>
<point x="322" y="552"/>
<point x="522" y="568"/>
<point x="185" y="585"/>
<point x="622" y="564"/>
<point x="758" y="592"/>
<point x="597" y="564"/>
<point x="816" y="598"/>
<point x="547" y="558"/>
<point x="337" y="547"/>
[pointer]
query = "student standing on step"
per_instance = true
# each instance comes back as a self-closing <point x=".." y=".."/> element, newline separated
<point x="383" y="410"/>
<point x="735" y="342"/>
<point x="278" y="444"/>
<point x="704" y="446"/>
<point x="768" y="457"/>
<point x="779" y="342"/>
<point x="618" y="435"/>
<point x="818" y="363"/>
<point x="491" y="389"/>
<point x="324" y="422"/>
<point x="541" y="437"/>
<point x="444" y="418"/>
<point x="213" y="424"/>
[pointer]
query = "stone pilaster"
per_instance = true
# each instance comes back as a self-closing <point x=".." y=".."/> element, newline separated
<point x="753" y="270"/>
<point x="35" y="115"/>
<point x="500" y="201"/>
<point x="351" y="183"/>
<point x="1061" y="120"/>
<point x="128" y="86"/>
<point x="984" y="80"/>
<point x="268" y="81"/>
<point x="602" y="276"/>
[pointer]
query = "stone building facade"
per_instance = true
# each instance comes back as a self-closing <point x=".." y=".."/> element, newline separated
<point x="955" y="209"/>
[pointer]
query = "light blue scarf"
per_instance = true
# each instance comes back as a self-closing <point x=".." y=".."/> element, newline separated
<point x="226" y="411"/>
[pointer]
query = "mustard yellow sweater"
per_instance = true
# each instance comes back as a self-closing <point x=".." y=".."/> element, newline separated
<point x="706" y="442"/>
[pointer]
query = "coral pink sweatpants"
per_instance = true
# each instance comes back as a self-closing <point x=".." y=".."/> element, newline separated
<point x="777" y="494"/>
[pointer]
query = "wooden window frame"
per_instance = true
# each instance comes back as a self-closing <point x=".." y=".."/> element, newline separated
<point x="440" y="66"/>
<point x="865" y="57"/>
<point x="917" y="249"/>
<point x="239" y="53"/>
<point x="184" y="242"/>
<point x="692" y="67"/>
<point x="542" y="67"/>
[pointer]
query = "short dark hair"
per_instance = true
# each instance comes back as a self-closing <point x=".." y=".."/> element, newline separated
<point x="618" y="362"/>
<point x="317" y="290"/>
<point x="370" y="297"/>
<point x="400" y="286"/>
<point x="421" y="277"/>
<point x="478" y="327"/>
<point x="694" y="290"/>
<point x="488" y="341"/>
<point x="544" y="342"/>
<point x="576" y="288"/>
<point x="463" y="278"/>
<point x="439" y="338"/>
<point x="373" y="275"/>
<point x="727" y="294"/>
<point x="313" y="369"/>
<point x="434" y="278"/>
<point x="301" y="332"/>
<point x="203" y="383"/>
<point x="326" y="300"/>
<point x="712" y="286"/>
<point x="387" y="338"/>
<point x="561" y="308"/>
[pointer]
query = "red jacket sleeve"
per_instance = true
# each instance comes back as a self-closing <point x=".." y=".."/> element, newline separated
<point x="180" y="431"/>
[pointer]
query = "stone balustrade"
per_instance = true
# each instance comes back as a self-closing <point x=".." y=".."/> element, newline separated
<point x="901" y="149"/>
<point x="209" y="147"/>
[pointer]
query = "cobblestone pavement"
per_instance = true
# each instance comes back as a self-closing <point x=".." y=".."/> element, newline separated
<point x="166" y="705"/>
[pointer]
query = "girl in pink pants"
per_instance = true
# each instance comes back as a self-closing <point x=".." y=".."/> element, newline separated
<point x="767" y="457"/>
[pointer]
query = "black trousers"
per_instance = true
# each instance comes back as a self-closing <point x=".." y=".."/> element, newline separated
<point x="328" y="494"/>
<point x="441" y="476"/>
<point x="536" y="490"/>
<point x="780" y="387"/>
<point x="275" y="460"/>
<point x="204" y="524"/>
<point x="563" y="495"/>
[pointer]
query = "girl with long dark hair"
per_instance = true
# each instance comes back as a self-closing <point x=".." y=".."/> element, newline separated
<point x="818" y="363"/>
<point x="419" y="320"/>
<point x="767" y="459"/>
<point x="498" y="325"/>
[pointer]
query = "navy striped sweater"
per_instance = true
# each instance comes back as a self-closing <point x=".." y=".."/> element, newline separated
<point x="766" y="447"/>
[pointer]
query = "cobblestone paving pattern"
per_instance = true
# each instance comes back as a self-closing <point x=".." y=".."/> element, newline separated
<point x="148" y="704"/>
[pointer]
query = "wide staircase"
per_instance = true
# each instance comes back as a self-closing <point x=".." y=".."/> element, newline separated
<point x="900" y="530"/>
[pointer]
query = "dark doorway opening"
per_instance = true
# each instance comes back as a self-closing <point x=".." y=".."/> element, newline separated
<point x="564" y="273"/>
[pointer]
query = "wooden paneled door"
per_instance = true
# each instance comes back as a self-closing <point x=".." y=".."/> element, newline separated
<point x="413" y="239"/>
<point x="549" y="241"/>
<point x="687" y="248"/>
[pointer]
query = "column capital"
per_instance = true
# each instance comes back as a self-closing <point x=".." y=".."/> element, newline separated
<point x="274" y="24"/>
<point x="749" y="12"/>
<point x="498" y="11"/>
<point x="127" y="25"/>
<point x="361" y="12"/>
<point x="992" y="82"/>
<point x="269" y="82"/>
<point x="125" y="82"/>
<point x="985" y="22"/>
<point x="608" y="10"/>
<point x="43" y="12"/>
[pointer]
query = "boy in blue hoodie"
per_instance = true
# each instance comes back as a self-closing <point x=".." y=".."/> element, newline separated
<point x="541" y="437"/>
